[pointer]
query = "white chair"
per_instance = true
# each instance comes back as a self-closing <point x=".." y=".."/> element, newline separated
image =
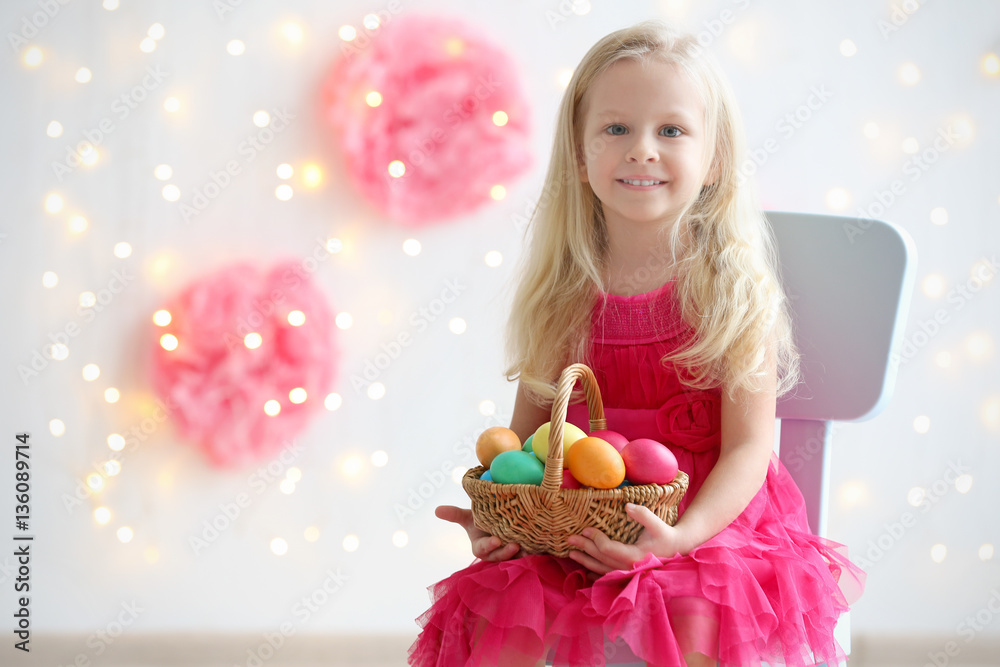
<point x="849" y="283"/>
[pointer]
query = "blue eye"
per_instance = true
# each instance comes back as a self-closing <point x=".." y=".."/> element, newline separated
<point x="613" y="129"/>
<point x="671" y="131"/>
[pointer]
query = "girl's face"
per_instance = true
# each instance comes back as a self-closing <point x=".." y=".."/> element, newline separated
<point x="644" y="142"/>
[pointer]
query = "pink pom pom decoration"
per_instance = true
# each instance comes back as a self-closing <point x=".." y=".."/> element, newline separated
<point x="216" y="381"/>
<point x="434" y="101"/>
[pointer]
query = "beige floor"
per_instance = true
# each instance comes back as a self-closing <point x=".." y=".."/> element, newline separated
<point x="390" y="651"/>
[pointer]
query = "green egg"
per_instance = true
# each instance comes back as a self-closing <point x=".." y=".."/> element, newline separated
<point x="527" y="443"/>
<point x="517" y="467"/>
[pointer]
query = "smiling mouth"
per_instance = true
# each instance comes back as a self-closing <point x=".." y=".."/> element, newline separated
<point x="633" y="181"/>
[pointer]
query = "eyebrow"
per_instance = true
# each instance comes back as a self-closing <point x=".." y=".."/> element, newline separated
<point x="671" y="113"/>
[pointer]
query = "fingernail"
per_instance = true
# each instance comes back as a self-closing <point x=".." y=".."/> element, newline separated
<point x="629" y="507"/>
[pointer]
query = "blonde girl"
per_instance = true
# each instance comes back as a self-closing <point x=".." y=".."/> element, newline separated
<point x="651" y="262"/>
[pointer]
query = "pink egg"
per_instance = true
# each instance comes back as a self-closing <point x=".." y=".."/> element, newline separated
<point x="649" y="462"/>
<point x="570" y="482"/>
<point x="617" y="440"/>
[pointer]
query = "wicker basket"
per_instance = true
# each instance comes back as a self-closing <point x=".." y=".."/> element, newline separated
<point x="541" y="518"/>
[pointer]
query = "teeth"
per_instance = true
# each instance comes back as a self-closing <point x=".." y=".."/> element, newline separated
<point x="631" y="181"/>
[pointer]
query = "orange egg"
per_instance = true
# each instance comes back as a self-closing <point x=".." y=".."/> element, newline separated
<point x="596" y="463"/>
<point x="494" y="441"/>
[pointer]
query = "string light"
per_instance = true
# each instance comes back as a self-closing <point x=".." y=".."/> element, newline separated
<point x="939" y="215"/>
<point x="54" y="129"/>
<point x="59" y="352"/>
<point x="563" y="77"/>
<point x="411" y="247"/>
<point x="161" y="318"/>
<point x="297" y="395"/>
<point x="938" y="553"/>
<point x="454" y="47"/>
<point x="125" y="534"/>
<point x="279" y="547"/>
<point x="261" y="118"/>
<point x="53" y="202"/>
<point x="171" y="105"/>
<point x="933" y="285"/>
<point x="102" y="515"/>
<point x="293" y="474"/>
<point x="352" y="465"/>
<point x="151" y="554"/>
<point x="272" y="408"/>
<point x="909" y="74"/>
<point x="147" y="45"/>
<point x="95" y="481"/>
<point x="284" y="192"/>
<point x="91" y="372"/>
<point x="332" y="402"/>
<point x="500" y="118"/>
<point x="351" y="543"/>
<point x="916" y="496"/>
<point x="156" y="31"/>
<point x="122" y="250"/>
<point x="112" y="395"/>
<point x="493" y="259"/>
<point x="33" y="57"/>
<point x="457" y="325"/>
<point x="963" y="483"/>
<point x="253" y="340"/>
<point x="943" y="359"/>
<point x="376" y="391"/>
<point x="168" y="342"/>
<point x="116" y="442"/>
<point x="50" y="279"/>
<point x="396" y="168"/>
<point x="347" y="33"/>
<point x="910" y="145"/>
<point x="487" y="408"/>
<point x="871" y="130"/>
<point x="373" y="99"/>
<point x="380" y="458"/>
<point x="83" y="75"/>
<point x="853" y="493"/>
<point x="112" y="468"/>
<point x="78" y="224"/>
<point x="986" y="552"/>
<point x="848" y="48"/>
<point x="110" y="5"/>
<point x="163" y="172"/>
<point x="57" y="427"/>
<point x="296" y="318"/>
<point x="838" y="199"/>
<point x="312" y="175"/>
<point x="400" y="539"/>
<point x="371" y="21"/>
<point x="236" y="47"/>
<point x="989" y="413"/>
<point x="293" y="32"/>
<point x="991" y="64"/>
<point x="284" y="171"/>
<point x="311" y="534"/>
<point x="979" y="346"/>
<point x="457" y="474"/>
<point x="498" y="192"/>
<point x="922" y="424"/>
<point x="171" y="192"/>
<point x="344" y="320"/>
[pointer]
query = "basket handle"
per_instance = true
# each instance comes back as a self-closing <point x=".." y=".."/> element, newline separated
<point x="553" y="478"/>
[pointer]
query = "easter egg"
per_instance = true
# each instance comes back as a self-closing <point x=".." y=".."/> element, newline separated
<point x="517" y="467"/>
<point x="615" y="439"/>
<point x="540" y="439"/>
<point x="493" y="441"/>
<point x="486" y="476"/>
<point x="527" y="443"/>
<point x="649" y="462"/>
<point x="596" y="463"/>
<point x="570" y="482"/>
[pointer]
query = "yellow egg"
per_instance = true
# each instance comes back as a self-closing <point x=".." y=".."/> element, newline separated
<point x="495" y="441"/>
<point x="596" y="463"/>
<point x="540" y="441"/>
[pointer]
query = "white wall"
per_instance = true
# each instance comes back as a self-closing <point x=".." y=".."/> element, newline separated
<point x="778" y="54"/>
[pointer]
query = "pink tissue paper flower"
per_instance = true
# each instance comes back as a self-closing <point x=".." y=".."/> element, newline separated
<point x="426" y="92"/>
<point x="216" y="382"/>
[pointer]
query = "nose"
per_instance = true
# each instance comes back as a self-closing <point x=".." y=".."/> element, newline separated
<point x="642" y="150"/>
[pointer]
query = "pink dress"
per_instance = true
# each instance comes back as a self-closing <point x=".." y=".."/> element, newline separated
<point x="763" y="589"/>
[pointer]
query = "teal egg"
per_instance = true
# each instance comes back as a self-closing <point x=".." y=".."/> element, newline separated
<point x="486" y="476"/>
<point x="517" y="467"/>
<point x="527" y="443"/>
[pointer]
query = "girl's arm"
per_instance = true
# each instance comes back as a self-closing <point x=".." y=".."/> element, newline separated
<point x="744" y="456"/>
<point x="526" y="419"/>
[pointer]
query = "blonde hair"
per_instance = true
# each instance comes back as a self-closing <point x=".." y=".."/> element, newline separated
<point x="725" y="268"/>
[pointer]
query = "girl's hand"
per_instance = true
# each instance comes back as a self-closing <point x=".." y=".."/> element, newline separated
<point x="484" y="545"/>
<point x="600" y="554"/>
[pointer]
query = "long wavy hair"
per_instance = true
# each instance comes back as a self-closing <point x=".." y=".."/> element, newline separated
<point x="721" y="255"/>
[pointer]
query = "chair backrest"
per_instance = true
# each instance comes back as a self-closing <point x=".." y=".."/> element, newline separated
<point x="849" y="282"/>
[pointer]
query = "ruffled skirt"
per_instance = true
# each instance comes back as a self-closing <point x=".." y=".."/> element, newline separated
<point x="764" y="589"/>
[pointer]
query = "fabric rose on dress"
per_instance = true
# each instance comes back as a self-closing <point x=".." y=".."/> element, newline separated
<point x="692" y="420"/>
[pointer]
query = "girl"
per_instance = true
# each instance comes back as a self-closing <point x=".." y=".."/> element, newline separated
<point x="650" y="263"/>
